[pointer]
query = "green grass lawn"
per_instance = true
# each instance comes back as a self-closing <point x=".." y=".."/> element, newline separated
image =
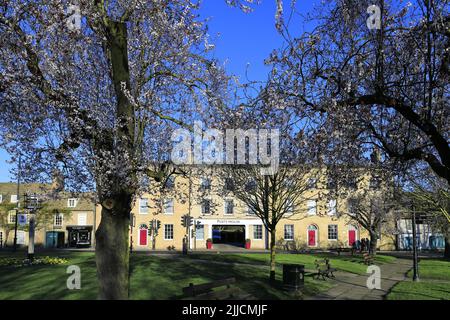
<point x="153" y="277"/>
<point x="434" y="282"/>
<point x="348" y="263"/>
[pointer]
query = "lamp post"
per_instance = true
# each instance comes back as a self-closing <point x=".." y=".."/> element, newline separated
<point x="415" y="258"/>
<point x="31" y="204"/>
<point x="18" y="205"/>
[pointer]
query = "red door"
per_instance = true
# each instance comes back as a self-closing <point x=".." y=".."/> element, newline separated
<point x="143" y="237"/>
<point x="351" y="237"/>
<point x="311" y="238"/>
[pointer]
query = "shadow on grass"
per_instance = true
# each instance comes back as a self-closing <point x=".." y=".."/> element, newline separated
<point x="152" y="277"/>
<point x="163" y="278"/>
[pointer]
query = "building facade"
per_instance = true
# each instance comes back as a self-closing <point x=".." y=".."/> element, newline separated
<point x="63" y="221"/>
<point x="221" y="218"/>
<point x="427" y="237"/>
<point x="217" y="217"/>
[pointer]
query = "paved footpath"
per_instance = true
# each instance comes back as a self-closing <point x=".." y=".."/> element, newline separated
<point x="349" y="286"/>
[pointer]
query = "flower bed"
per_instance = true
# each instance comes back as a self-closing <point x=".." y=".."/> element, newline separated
<point x="46" y="260"/>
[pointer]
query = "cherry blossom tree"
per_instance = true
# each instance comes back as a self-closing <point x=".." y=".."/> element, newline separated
<point x="94" y="88"/>
<point x="373" y="75"/>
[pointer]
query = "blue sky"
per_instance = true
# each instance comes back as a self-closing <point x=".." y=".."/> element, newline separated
<point x="240" y="39"/>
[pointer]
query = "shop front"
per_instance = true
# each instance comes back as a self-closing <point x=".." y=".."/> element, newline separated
<point x="54" y="239"/>
<point x="79" y="236"/>
<point x="232" y="232"/>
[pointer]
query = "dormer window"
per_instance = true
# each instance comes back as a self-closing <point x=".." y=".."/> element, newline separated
<point x="72" y="203"/>
<point x="14" y="198"/>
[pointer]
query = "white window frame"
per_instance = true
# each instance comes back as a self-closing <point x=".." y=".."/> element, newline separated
<point x="311" y="208"/>
<point x="225" y="207"/>
<point x="165" y="233"/>
<point x="196" y="234"/>
<point x="140" y="206"/>
<point x="14" y="196"/>
<point x="81" y="214"/>
<point x="165" y="201"/>
<point x="351" y="204"/>
<point x="201" y="207"/>
<point x="284" y="232"/>
<point x="332" y="207"/>
<point x="337" y="232"/>
<point x="74" y="202"/>
<point x="290" y="208"/>
<point x="62" y="219"/>
<point x="11" y="215"/>
<point x="254" y="231"/>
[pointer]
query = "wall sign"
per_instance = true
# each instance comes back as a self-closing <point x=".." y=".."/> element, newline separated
<point x="22" y="219"/>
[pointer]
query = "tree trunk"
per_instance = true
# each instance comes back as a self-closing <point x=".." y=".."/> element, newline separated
<point x="112" y="252"/>
<point x="112" y="236"/>
<point x="272" y="256"/>
<point x="5" y="241"/>
<point x="373" y="244"/>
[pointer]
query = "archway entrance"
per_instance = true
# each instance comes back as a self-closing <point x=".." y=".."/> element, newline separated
<point x="352" y="235"/>
<point x="312" y="236"/>
<point x="229" y="234"/>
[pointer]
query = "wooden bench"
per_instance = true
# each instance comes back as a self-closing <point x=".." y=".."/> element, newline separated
<point x="324" y="269"/>
<point x="368" y="258"/>
<point x="206" y="291"/>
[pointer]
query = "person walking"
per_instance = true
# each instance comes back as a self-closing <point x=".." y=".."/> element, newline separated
<point x="358" y="245"/>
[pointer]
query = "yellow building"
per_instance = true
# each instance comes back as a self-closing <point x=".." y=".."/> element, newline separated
<point x="219" y="216"/>
<point x="216" y="214"/>
<point x="63" y="221"/>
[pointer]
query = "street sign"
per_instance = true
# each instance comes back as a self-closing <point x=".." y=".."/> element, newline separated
<point x="22" y="219"/>
<point x="32" y="201"/>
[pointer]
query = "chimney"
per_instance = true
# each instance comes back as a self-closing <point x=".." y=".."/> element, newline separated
<point x="57" y="181"/>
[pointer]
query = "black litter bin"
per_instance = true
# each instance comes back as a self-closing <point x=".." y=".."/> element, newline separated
<point x="293" y="276"/>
